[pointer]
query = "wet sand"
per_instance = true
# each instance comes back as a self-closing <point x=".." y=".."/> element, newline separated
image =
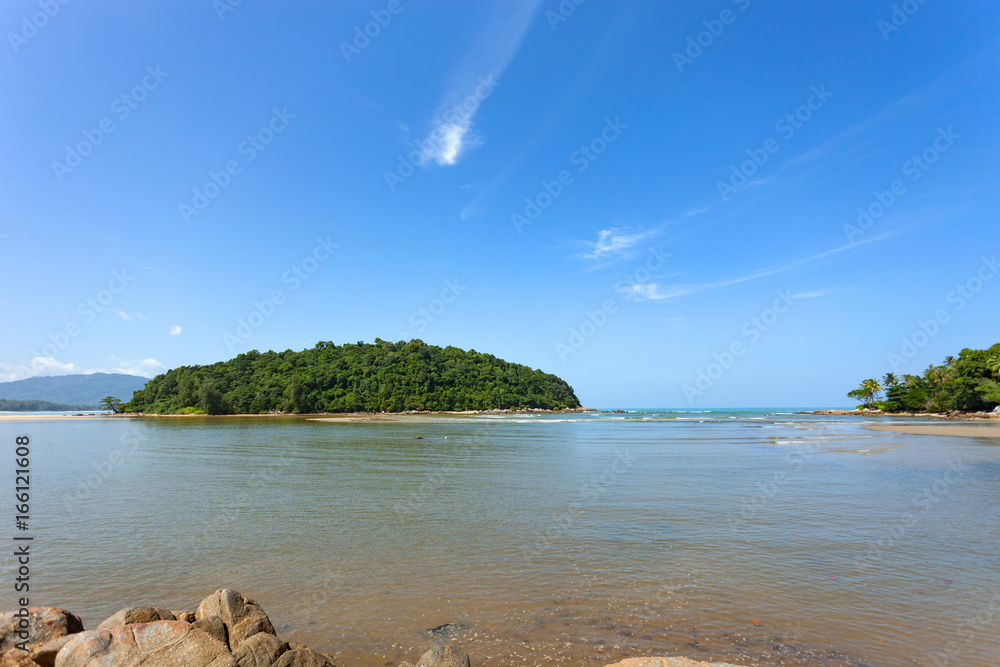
<point x="960" y="431"/>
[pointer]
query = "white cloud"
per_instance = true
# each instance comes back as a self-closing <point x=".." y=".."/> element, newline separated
<point x="444" y="145"/>
<point x="144" y="367"/>
<point x="37" y="367"/>
<point x="655" y="292"/>
<point x="614" y="242"/>
<point x="175" y="330"/>
<point x="49" y="366"/>
<point x="451" y="131"/>
<point x="124" y="315"/>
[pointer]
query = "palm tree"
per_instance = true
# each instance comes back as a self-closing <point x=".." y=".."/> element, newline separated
<point x="949" y="361"/>
<point x="866" y="392"/>
<point x="871" y="388"/>
<point x="994" y="365"/>
<point x="890" y="380"/>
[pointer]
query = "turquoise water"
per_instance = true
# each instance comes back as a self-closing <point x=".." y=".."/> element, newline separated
<point x="756" y="536"/>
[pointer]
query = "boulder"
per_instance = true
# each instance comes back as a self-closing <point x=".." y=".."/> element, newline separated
<point x="158" y="644"/>
<point x="333" y="660"/>
<point x="45" y="655"/>
<point x="186" y="616"/>
<point x="260" y="650"/>
<point x="305" y="657"/>
<point x="242" y="616"/>
<point x="444" y="656"/>
<point x="131" y="615"/>
<point x="668" y="662"/>
<point x="16" y="658"/>
<point x="214" y="626"/>
<point x="44" y="625"/>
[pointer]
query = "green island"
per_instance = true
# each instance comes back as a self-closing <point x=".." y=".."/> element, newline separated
<point x="362" y="377"/>
<point x="968" y="383"/>
<point x="7" y="405"/>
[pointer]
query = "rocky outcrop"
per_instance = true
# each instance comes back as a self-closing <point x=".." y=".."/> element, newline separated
<point x="261" y="650"/>
<point x="227" y="630"/>
<point x="41" y="627"/>
<point x="214" y="626"/>
<point x="133" y="615"/>
<point x="158" y="644"/>
<point x="242" y="616"/>
<point x="444" y="656"/>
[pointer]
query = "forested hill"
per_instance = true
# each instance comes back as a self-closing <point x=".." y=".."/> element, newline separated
<point x="381" y="377"/>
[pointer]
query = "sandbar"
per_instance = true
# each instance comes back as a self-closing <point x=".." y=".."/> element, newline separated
<point x="961" y="431"/>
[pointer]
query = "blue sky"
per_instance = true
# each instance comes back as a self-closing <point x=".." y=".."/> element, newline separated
<point x="657" y="201"/>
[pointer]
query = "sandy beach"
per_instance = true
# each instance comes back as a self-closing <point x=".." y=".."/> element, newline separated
<point x="962" y="431"/>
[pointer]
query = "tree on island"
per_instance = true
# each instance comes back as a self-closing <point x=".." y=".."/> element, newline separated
<point x="379" y="377"/>
<point x="111" y="403"/>
<point x="969" y="382"/>
<point x="866" y="392"/>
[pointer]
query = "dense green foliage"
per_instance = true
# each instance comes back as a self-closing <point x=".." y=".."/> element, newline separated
<point x="39" y="406"/>
<point x="72" y="389"/>
<point x="383" y="377"/>
<point x="968" y="384"/>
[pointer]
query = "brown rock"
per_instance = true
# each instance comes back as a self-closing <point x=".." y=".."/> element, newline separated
<point x="159" y="644"/>
<point x="444" y="656"/>
<point x="131" y="615"/>
<point x="304" y="657"/>
<point x="16" y="658"/>
<point x="214" y="626"/>
<point x="668" y="662"/>
<point x="44" y="625"/>
<point x="248" y="627"/>
<point x="186" y="616"/>
<point x="45" y="655"/>
<point x="242" y="616"/>
<point x="260" y="650"/>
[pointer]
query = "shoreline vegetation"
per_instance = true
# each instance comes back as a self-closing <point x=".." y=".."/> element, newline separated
<point x="969" y="383"/>
<point x="384" y="377"/>
<point x="954" y="415"/>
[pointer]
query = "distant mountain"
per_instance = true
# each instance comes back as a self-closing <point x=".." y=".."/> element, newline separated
<point x="74" y="389"/>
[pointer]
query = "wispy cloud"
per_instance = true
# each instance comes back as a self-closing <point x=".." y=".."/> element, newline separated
<point x="815" y="294"/>
<point x="144" y="367"/>
<point x="451" y="132"/>
<point x="615" y="242"/>
<point x="175" y="330"/>
<point x="656" y="292"/>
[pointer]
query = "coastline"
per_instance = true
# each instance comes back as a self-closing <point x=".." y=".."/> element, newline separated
<point x="310" y="416"/>
<point x="959" y="431"/>
<point x="945" y="416"/>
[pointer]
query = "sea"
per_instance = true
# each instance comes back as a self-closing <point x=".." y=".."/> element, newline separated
<point x="757" y="536"/>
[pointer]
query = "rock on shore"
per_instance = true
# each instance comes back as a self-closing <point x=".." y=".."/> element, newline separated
<point x="227" y="630"/>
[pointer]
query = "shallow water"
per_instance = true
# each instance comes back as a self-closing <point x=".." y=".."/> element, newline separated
<point x="760" y="536"/>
